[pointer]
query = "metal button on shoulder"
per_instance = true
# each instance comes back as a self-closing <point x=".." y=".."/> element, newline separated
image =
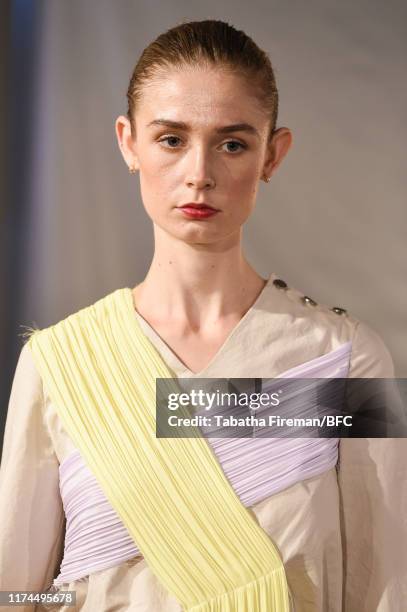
<point x="307" y="300"/>
<point x="338" y="310"/>
<point x="280" y="284"/>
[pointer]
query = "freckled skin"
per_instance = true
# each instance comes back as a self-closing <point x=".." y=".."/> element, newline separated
<point x="223" y="170"/>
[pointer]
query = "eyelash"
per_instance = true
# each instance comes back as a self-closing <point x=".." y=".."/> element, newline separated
<point x="241" y="144"/>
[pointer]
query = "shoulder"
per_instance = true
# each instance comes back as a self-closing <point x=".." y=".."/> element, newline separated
<point x="25" y="407"/>
<point x="84" y="318"/>
<point x="301" y="304"/>
<point x="370" y="356"/>
<point x="26" y="378"/>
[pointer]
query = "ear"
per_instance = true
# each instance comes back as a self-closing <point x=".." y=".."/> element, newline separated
<point x="277" y="148"/>
<point x="126" y="142"/>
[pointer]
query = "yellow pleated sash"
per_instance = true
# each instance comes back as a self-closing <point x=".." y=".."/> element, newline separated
<point x="205" y="547"/>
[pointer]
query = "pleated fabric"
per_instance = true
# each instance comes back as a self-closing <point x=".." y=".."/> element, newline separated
<point x="205" y="547"/>
<point x="257" y="468"/>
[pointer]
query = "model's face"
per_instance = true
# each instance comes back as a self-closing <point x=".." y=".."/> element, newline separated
<point x="186" y="151"/>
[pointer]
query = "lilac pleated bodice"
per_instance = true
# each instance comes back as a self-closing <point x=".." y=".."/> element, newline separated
<point x="96" y="538"/>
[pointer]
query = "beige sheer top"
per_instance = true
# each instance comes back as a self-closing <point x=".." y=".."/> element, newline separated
<point x="342" y="535"/>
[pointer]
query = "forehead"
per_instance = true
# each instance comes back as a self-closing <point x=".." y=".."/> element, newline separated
<point x="205" y="94"/>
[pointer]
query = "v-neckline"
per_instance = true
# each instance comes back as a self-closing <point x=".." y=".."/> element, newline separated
<point x="166" y="351"/>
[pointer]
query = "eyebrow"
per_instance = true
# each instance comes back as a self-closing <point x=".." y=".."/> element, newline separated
<point x="226" y="129"/>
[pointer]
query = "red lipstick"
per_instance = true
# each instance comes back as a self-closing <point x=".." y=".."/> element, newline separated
<point x="193" y="210"/>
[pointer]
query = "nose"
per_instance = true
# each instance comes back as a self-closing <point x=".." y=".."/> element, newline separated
<point x="205" y="183"/>
<point x="199" y="176"/>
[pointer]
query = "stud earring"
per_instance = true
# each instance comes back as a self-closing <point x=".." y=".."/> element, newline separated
<point x="266" y="179"/>
<point x="132" y="169"/>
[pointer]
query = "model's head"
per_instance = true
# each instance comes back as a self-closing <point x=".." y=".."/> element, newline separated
<point x="201" y="127"/>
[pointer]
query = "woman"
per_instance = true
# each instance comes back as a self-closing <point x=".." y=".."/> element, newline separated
<point x="201" y="132"/>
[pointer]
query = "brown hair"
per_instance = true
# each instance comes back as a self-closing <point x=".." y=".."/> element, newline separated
<point x="211" y="42"/>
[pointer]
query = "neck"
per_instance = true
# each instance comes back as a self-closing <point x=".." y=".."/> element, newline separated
<point x="197" y="284"/>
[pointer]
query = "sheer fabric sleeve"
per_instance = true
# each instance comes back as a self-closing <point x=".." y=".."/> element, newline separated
<point x="373" y="493"/>
<point x="31" y="512"/>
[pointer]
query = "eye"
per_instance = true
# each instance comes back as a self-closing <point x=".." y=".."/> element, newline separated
<point x="240" y="145"/>
<point x="170" y="141"/>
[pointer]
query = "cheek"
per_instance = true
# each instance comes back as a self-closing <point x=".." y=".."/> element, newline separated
<point x="157" y="188"/>
<point x="158" y="172"/>
<point x="244" y="185"/>
<point x="156" y="177"/>
<point x="162" y="181"/>
<point x="242" y="193"/>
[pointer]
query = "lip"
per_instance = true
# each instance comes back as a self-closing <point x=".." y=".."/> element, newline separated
<point x="197" y="212"/>
<point x="198" y="206"/>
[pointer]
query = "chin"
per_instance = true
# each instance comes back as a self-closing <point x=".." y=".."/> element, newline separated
<point x="198" y="236"/>
<point x="204" y="236"/>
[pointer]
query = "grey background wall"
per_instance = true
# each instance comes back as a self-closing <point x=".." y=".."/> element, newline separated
<point x="332" y="222"/>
